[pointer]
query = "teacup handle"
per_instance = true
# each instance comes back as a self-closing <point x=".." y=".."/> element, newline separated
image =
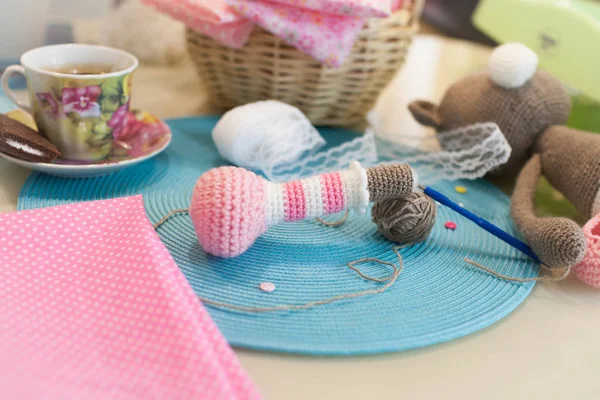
<point x="8" y="72"/>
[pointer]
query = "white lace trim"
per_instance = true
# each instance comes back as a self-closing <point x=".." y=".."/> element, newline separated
<point x="361" y="149"/>
<point x="469" y="153"/>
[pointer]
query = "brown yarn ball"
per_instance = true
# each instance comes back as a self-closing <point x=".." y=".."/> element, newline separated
<point x="407" y="220"/>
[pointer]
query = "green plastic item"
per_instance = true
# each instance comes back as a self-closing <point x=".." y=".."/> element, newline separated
<point x="564" y="33"/>
<point x="585" y="115"/>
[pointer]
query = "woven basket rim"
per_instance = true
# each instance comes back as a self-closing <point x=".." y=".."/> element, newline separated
<point x="268" y="67"/>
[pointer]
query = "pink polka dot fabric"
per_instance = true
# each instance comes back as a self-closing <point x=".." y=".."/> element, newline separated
<point x="92" y="306"/>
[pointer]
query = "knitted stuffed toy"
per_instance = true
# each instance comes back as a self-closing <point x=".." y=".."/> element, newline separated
<point x="231" y="207"/>
<point x="530" y="107"/>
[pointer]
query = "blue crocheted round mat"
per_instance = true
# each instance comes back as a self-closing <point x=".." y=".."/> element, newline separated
<point x="437" y="298"/>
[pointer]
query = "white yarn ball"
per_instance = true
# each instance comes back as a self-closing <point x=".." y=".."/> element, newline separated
<point x="512" y="64"/>
<point x="264" y="134"/>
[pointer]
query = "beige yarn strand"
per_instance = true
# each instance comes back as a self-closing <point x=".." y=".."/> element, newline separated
<point x="352" y="265"/>
<point x="391" y="279"/>
<point x="522" y="280"/>
<point x="169" y="215"/>
<point x="336" y="223"/>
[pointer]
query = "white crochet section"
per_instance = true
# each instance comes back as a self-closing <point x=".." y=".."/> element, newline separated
<point x="275" y="211"/>
<point x="266" y="135"/>
<point x="416" y="181"/>
<point x="352" y="189"/>
<point x="313" y="196"/>
<point x="469" y="153"/>
<point x="360" y="175"/>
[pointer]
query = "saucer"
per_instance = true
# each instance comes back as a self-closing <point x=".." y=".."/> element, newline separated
<point x="144" y="135"/>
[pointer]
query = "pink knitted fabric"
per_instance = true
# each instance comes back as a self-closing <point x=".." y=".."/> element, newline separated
<point x="293" y="200"/>
<point x="333" y="193"/>
<point x="228" y="210"/>
<point x="231" y="207"/>
<point x="588" y="270"/>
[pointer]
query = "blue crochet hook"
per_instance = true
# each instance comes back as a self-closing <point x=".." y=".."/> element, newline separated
<point x="486" y="225"/>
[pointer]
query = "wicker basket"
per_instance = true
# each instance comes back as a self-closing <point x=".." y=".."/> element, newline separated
<point x="268" y="68"/>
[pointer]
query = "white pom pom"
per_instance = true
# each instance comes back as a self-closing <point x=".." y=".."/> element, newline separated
<point x="264" y="134"/>
<point x="512" y="64"/>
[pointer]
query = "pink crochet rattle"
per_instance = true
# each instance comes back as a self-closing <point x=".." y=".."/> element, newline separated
<point x="231" y="207"/>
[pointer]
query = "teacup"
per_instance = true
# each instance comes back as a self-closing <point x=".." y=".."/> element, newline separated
<point x="78" y="95"/>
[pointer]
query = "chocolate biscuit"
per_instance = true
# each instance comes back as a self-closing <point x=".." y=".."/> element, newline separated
<point x="22" y="142"/>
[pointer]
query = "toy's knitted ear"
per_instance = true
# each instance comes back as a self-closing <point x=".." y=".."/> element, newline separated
<point x="425" y="113"/>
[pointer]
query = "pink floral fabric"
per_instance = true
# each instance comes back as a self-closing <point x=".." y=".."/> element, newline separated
<point x="354" y="8"/>
<point x="213" y="18"/>
<point x="326" y="37"/>
<point x="94" y="307"/>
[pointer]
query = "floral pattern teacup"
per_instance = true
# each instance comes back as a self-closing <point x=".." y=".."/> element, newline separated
<point x="83" y="115"/>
